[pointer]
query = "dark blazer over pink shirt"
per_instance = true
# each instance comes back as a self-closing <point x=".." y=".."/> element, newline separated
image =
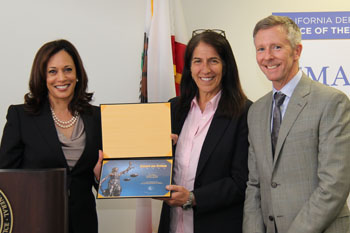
<point x="221" y="174"/>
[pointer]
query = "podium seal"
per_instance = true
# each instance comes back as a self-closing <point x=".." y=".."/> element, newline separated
<point x="6" y="216"/>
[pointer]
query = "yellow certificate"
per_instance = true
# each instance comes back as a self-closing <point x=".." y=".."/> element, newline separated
<point x="136" y="130"/>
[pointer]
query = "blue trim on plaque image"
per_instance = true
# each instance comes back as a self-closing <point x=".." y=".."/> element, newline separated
<point x="144" y="178"/>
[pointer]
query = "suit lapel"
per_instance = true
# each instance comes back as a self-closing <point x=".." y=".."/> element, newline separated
<point x="178" y="118"/>
<point x="265" y="127"/>
<point x="215" y="132"/>
<point x="295" y="106"/>
<point x="46" y="127"/>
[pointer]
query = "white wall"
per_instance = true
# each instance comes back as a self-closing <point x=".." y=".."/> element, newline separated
<point x="107" y="33"/>
<point x="109" y="37"/>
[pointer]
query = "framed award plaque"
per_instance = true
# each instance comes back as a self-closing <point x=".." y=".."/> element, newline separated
<point x="137" y="150"/>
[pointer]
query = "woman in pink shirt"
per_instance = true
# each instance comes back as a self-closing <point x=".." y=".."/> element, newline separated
<point x="210" y="127"/>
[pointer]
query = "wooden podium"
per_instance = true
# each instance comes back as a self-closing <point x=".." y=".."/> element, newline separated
<point x="33" y="201"/>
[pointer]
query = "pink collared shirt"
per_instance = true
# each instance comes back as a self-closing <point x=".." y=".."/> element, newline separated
<point x="188" y="149"/>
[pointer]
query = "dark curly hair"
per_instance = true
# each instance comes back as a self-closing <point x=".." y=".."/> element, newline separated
<point x="38" y="91"/>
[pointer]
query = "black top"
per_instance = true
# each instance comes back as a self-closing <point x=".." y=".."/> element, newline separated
<point x="31" y="142"/>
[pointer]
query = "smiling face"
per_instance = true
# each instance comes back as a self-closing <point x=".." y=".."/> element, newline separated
<point x="61" y="77"/>
<point x="275" y="55"/>
<point x="206" y="70"/>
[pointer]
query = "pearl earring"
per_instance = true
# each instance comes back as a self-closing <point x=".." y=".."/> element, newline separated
<point x="77" y="80"/>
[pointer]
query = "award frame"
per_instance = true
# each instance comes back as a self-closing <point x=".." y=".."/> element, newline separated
<point x="137" y="150"/>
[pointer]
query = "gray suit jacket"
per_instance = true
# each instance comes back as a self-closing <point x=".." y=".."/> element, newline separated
<point x="304" y="190"/>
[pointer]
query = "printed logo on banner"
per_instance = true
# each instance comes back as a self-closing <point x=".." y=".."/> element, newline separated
<point x="322" y="76"/>
<point x="326" y="46"/>
<point x="321" y="25"/>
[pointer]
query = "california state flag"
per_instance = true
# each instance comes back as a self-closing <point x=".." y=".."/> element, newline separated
<point x="162" y="64"/>
<point x="164" y="48"/>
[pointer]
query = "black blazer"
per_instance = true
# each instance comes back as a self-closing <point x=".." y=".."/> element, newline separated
<point x="221" y="175"/>
<point x="31" y="142"/>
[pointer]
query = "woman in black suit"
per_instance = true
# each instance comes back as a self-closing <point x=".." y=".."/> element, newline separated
<point x="210" y="168"/>
<point x="57" y="127"/>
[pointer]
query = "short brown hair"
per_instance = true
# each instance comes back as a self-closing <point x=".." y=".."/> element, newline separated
<point x="291" y="28"/>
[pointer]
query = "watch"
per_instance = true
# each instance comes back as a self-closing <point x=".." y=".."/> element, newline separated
<point x="189" y="202"/>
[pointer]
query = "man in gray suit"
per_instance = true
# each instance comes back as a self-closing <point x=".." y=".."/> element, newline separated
<point x="299" y="155"/>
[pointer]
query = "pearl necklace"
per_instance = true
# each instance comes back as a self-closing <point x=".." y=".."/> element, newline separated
<point x="64" y="124"/>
